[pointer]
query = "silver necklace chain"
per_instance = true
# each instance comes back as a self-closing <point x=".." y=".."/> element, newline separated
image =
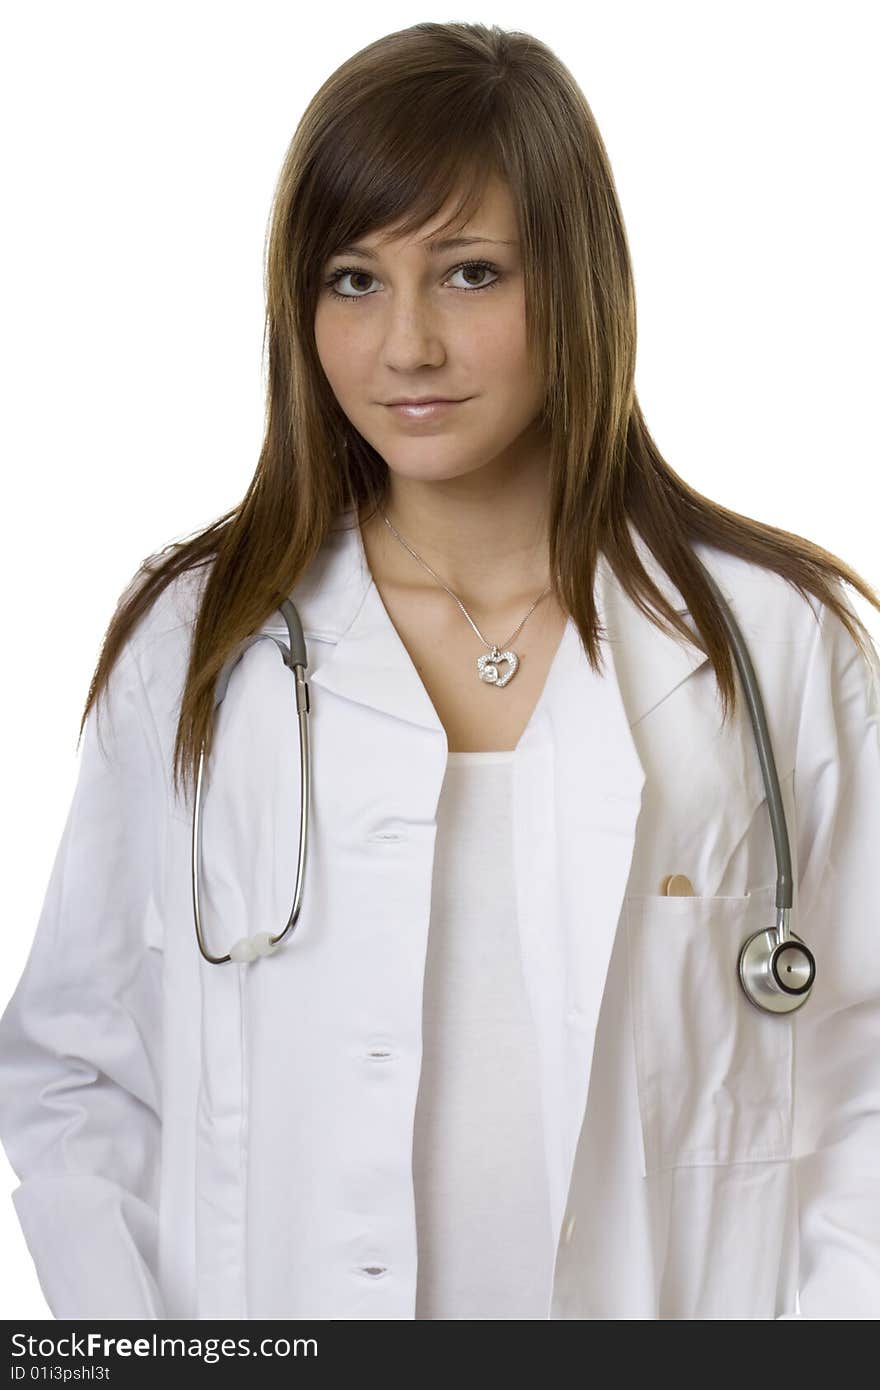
<point x="487" y="665"/>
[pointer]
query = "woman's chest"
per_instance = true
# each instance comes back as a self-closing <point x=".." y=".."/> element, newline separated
<point x="483" y="704"/>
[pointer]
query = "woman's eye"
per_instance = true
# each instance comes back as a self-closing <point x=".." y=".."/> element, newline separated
<point x="342" y="274"/>
<point x="472" y="269"/>
<point x="480" y="269"/>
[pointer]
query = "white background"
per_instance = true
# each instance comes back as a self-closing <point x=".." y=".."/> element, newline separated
<point x="141" y="147"/>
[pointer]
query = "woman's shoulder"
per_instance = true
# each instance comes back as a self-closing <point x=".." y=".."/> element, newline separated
<point x="157" y="649"/>
<point x="821" y="656"/>
<point x="174" y="610"/>
<point x="765" y="601"/>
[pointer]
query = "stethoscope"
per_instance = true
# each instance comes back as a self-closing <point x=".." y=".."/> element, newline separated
<point x="776" y="970"/>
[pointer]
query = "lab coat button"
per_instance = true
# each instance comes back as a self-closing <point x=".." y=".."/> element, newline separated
<point x="569" y="1229"/>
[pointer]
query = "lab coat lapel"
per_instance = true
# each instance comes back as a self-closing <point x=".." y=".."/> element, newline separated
<point x="577" y="798"/>
<point x="368" y="662"/>
<point x="576" y="795"/>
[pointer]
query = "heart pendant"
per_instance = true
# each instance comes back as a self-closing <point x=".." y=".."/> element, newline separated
<point x="488" y="667"/>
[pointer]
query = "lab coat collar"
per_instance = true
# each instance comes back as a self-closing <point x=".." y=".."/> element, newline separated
<point x="338" y="602"/>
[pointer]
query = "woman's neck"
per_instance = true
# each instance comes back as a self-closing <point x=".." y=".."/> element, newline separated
<point x="494" y="550"/>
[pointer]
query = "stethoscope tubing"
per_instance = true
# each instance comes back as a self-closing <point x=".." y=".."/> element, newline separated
<point x="295" y="657"/>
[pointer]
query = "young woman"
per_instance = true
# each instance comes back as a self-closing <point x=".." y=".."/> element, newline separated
<point x="503" y="1065"/>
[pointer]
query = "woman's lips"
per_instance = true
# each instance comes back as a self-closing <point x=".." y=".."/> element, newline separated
<point x="427" y="410"/>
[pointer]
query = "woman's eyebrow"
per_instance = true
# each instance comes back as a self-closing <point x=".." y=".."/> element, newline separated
<point x="434" y="247"/>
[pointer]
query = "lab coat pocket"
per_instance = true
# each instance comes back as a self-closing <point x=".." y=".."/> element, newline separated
<point x="714" y="1073"/>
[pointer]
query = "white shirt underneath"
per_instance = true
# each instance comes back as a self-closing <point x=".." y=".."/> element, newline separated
<point x="478" y="1162"/>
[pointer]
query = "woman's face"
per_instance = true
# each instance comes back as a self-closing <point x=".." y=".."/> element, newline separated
<point x="421" y="322"/>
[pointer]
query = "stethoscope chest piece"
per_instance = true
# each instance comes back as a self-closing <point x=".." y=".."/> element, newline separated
<point x="776" y="972"/>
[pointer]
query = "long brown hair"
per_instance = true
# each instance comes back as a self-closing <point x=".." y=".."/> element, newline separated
<point x="390" y="137"/>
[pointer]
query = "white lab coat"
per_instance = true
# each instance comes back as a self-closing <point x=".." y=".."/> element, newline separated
<point x="235" y="1141"/>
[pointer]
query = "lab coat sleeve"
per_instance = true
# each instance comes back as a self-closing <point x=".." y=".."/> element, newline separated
<point x="837" y="1030"/>
<point x="79" y="1039"/>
